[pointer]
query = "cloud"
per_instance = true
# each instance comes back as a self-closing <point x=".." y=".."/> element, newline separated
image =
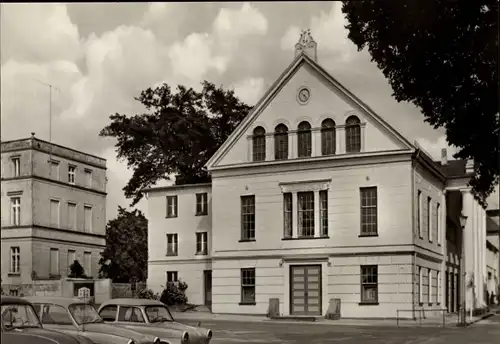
<point x="249" y="90"/>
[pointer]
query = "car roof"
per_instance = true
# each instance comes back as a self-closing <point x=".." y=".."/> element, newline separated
<point x="12" y="300"/>
<point x="132" y="302"/>
<point x="57" y="300"/>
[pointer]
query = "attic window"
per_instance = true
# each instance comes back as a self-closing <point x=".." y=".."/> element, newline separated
<point x="353" y="135"/>
<point x="259" y="144"/>
<point x="281" y="142"/>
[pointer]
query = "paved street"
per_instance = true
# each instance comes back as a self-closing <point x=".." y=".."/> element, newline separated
<point x="225" y="332"/>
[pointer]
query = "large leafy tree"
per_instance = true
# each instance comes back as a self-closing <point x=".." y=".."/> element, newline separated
<point x="177" y="135"/>
<point x="126" y="252"/>
<point x="443" y="57"/>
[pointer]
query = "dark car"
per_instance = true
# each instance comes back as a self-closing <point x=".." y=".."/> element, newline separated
<point x="21" y="325"/>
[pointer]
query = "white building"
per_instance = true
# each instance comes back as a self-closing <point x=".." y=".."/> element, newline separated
<point x="315" y="197"/>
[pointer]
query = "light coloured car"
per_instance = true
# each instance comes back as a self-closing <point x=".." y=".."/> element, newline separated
<point x="152" y="317"/>
<point x="74" y="316"/>
<point x="21" y="325"/>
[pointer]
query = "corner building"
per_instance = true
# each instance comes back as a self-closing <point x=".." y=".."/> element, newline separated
<point x="315" y="197"/>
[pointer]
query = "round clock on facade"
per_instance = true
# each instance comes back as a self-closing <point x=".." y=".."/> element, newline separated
<point x="303" y="95"/>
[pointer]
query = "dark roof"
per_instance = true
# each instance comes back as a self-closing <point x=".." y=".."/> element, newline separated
<point x="453" y="168"/>
<point x="13" y="300"/>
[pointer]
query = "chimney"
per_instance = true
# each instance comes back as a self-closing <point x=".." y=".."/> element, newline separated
<point x="307" y="45"/>
<point x="444" y="157"/>
<point x="469" y="166"/>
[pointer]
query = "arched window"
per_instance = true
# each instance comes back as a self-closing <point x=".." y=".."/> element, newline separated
<point x="304" y="139"/>
<point x="352" y="135"/>
<point x="259" y="144"/>
<point x="328" y="137"/>
<point x="281" y="142"/>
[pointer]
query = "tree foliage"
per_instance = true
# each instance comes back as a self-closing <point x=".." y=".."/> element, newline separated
<point x="443" y="57"/>
<point x="177" y="135"/>
<point x="126" y="252"/>
<point x="76" y="270"/>
<point x="174" y="293"/>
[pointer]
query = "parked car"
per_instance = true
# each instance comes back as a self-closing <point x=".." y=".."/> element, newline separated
<point x="74" y="316"/>
<point x="21" y="325"/>
<point x="151" y="317"/>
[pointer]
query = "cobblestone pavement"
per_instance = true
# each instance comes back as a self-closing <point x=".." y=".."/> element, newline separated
<point x="228" y="332"/>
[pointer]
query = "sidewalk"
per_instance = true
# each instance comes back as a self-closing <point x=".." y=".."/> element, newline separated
<point x="450" y="320"/>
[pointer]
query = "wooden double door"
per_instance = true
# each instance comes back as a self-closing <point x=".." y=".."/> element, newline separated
<point x="305" y="290"/>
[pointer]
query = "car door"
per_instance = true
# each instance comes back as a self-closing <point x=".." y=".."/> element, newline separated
<point x="55" y="317"/>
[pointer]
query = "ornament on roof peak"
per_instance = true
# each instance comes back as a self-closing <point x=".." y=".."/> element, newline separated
<point x="306" y="44"/>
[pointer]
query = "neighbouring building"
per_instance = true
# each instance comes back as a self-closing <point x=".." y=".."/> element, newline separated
<point x="315" y="197"/>
<point x="53" y="211"/>
<point x="493" y="244"/>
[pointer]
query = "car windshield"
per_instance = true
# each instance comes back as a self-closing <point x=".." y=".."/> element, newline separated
<point x="84" y="314"/>
<point x="158" y="314"/>
<point x="19" y="316"/>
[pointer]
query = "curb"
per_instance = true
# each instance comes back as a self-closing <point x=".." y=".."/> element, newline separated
<point x="482" y="317"/>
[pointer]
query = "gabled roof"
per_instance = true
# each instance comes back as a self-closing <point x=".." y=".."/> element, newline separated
<point x="301" y="59"/>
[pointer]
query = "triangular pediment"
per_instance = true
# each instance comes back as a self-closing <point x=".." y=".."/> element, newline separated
<point x="327" y="99"/>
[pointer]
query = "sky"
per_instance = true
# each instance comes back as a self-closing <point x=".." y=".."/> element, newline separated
<point x="100" y="56"/>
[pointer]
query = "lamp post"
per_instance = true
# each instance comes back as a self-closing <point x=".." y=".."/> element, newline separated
<point x="463" y="274"/>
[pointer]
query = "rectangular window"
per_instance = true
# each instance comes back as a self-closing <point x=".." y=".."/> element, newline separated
<point x="172" y="276"/>
<point x="71" y="259"/>
<point x="54" y="213"/>
<point x="54" y="169"/>
<point x="54" y="261"/>
<point x="13" y="292"/>
<point x="323" y="212"/>
<point x="427" y="289"/>
<point x="369" y="221"/>
<point x="306" y="213"/>
<point x="259" y="147"/>
<point x="88" y="178"/>
<point x="438" y="223"/>
<point x="202" y="243"/>
<point x="87" y="212"/>
<point x="87" y="263"/>
<point x="430" y="287"/>
<point x="171" y="206"/>
<point x="248" y="217"/>
<point x="16" y="167"/>
<point x="419" y="214"/>
<point x="420" y="285"/>
<point x="71" y="215"/>
<point x="248" y="285"/>
<point x="71" y="174"/>
<point x="172" y="245"/>
<point x="428" y="218"/>
<point x="287" y="214"/>
<point x="15" y="260"/>
<point x="369" y="283"/>
<point x="15" y="211"/>
<point x="438" y="287"/>
<point x="202" y="204"/>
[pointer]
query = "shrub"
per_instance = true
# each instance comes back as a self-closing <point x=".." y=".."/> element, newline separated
<point x="76" y="270"/>
<point x="174" y="293"/>
<point x="147" y="293"/>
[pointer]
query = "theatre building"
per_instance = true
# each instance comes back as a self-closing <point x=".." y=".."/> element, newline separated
<point x="316" y="197"/>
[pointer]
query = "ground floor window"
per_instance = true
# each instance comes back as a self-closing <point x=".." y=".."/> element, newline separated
<point x="172" y="276"/>
<point x="369" y="283"/>
<point x="248" y="285"/>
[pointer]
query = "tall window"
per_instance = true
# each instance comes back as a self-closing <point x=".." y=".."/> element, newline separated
<point x="431" y="286"/>
<point x="438" y="223"/>
<point x="54" y="169"/>
<point x="369" y="210"/>
<point x="369" y="283"/>
<point x="428" y="218"/>
<point x="328" y="137"/>
<point x="248" y="217"/>
<point x="352" y="135"/>
<point x="202" y="243"/>
<point x="71" y="215"/>
<point x="281" y="142"/>
<point x="172" y="276"/>
<point x="54" y="213"/>
<point x="15" y="260"/>
<point x="16" y="166"/>
<point x="323" y="212"/>
<point x="287" y="214"/>
<point x="420" y="285"/>
<point x="54" y="261"/>
<point x="71" y="174"/>
<point x="87" y="263"/>
<point x="172" y="245"/>
<point x="304" y="139"/>
<point x="306" y="213"/>
<point x="419" y="214"/>
<point x="87" y="217"/>
<point x="172" y="206"/>
<point x="15" y="211"/>
<point x="438" y="287"/>
<point x="201" y="204"/>
<point x="88" y="178"/>
<point x="248" y="285"/>
<point x="259" y="144"/>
